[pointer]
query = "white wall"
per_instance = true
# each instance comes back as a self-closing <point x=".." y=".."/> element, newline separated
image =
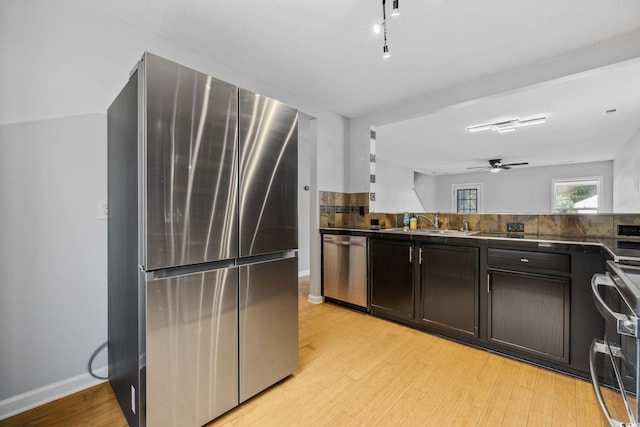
<point x="425" y="186"/>
<point x="526" y="189"/>
<point x="626" y="177"/>
<point x="394" y="189"/>
<point x="53" y="293"/>
<point x="62" y="65"/>
<point x="304" y="179"/>
<point x="600" y="55"/>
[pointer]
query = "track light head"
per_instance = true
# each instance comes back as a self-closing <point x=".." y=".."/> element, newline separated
<point x="385" y="52"/>
<point x="396" y="10"/>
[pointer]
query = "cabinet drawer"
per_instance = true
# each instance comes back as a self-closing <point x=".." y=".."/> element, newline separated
<point x="529" y="261"/>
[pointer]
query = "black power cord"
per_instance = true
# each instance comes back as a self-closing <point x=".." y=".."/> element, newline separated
<point x="93" y="356"/>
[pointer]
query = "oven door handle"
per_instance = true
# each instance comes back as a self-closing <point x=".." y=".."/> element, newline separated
<point x="599" y="346"/>
<point x="625" y="325"/>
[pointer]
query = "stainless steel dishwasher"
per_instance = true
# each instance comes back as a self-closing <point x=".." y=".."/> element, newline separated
<point x="344" y="269"/>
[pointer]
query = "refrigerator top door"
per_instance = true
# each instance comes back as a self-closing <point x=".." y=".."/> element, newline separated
<point x="268" y="138"/>
<point x="191" y="167"/>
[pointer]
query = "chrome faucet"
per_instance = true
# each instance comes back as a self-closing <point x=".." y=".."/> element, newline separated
<point x="436" y="223"/>
<point x="465" y="225"/>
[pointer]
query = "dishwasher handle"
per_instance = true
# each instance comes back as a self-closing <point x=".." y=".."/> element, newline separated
<point x="332" y="240"/>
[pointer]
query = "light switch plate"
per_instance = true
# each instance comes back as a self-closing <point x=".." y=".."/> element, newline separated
<point x="103" y="209"/>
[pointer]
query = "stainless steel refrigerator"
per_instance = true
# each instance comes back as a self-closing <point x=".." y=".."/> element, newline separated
<point x="202" y="236"/>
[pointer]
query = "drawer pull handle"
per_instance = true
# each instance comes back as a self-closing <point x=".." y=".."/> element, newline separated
<point x="524" y="260"/>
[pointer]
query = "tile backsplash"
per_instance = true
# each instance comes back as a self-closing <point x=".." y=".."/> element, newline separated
<point x="351" y="210"/>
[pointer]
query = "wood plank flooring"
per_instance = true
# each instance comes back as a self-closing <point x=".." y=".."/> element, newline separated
<point x="356" y="370"/>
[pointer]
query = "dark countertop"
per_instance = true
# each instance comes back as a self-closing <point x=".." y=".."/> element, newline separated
<point x="620" y="249"/>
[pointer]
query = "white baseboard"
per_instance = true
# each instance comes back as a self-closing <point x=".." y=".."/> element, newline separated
<point x="304" y="273"/>
<point x="34" y="398"/>
<point x="315" y="299"/>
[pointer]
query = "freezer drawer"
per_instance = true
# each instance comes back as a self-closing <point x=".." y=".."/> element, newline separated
<point x="344" y="268"/>
<point x="268" y="324"/>
<point x="192" y="348"/>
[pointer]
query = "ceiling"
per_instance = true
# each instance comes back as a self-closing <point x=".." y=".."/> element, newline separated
<point x="326" y="52"/>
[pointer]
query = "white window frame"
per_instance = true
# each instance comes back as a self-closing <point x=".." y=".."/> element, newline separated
<point x="588" y="179"/>
<point x="478" y="186"/>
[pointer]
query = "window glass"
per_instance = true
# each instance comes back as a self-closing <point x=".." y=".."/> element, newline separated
<point x="467" y="198"/>
<point x="576" y="195"/>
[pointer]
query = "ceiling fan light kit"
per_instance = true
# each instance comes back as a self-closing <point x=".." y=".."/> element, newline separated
<point x="507" y="126"/>
<point x="496" y="165"/>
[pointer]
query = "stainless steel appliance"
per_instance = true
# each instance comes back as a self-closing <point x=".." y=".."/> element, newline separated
<point x="614" y="358"/>
<point x="202" y="269"/>
<point x="344" y="269"/>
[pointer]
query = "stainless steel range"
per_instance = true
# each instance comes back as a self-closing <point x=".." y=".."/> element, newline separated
<point x="614" y="358"/>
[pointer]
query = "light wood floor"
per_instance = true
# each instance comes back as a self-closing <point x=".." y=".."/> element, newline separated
<point x="356" y="370"/>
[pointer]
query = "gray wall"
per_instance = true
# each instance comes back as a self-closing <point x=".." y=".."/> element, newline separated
<point x="304" y="179"/>
<point x="53" y="261"/>
<point x="526" y="189"/>
<point x="62" y="65"/>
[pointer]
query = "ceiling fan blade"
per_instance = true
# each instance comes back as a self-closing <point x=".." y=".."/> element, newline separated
<point x="516" y="164"/>
<point x="480" y="167"/>
<point x="505" y="167"/>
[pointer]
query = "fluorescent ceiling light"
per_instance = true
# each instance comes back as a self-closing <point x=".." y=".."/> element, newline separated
<point x="507" y="126"/>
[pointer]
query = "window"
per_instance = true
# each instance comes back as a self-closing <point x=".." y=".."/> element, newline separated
<point x="467" y="198"/>
<point x="576" y="195"/>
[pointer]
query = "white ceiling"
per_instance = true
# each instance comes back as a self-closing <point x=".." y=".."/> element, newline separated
<point x="325" y="51"/>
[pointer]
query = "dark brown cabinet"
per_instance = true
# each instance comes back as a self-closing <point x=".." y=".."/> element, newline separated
<point x="449" y="288"/>
<point x="392" y="278"/>
<point x="529" y="308"/>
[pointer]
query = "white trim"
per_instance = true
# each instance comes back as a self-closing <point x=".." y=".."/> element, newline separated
<point x="479" y="186"/>
<point x="315" y="299"/>
<point x="34" y="398"/>
<point x="599" y="188"/>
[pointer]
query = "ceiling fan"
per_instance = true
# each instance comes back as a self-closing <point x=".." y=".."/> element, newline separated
<point x="496" y="165"/>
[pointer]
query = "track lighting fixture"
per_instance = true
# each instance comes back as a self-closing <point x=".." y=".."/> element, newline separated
<point x="377" y="28"/>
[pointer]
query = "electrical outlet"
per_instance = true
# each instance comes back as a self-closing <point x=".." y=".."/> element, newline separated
<point x="103" y="209"/>
<point x="515" y="227"/>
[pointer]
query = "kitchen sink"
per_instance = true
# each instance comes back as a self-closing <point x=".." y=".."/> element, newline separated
<point x="436" y="231"/>
<point x="444" y="231"/>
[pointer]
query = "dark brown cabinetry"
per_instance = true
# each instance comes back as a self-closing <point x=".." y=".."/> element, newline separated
<point x="392" y="278"/>
<point x="449" y="288"/>
<point x="529" y="304"/>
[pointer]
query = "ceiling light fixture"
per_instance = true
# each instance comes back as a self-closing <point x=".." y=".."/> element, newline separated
<point x="396" y="10"/>
<point x="377" y="28"/>
<point x="507" y="126"/>
<point x="385" y="52"/>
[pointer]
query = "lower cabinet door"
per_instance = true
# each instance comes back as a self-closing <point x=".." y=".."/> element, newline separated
<point x="191" y="348"/>
<point x="449" y="288"/>
<point x="392" y="278"/>
<point x="530" y="313"/>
